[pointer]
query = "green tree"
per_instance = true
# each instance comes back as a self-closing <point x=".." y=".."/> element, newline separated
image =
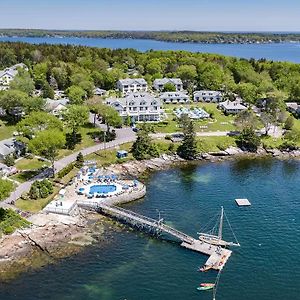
<point x="109" y="116"/>
<point x="12" y="98"/>
<point x="169" y="87"/>
<point x="187" y="73"/>
<point x="76" y="94"/>
<point x="291" y="139"/>
<point x="79" y="160"/>
<point x="289" y="123"/>
<point x="9" y="160"/>
<point x="143" y="147"/>
<point x="6" y="187"/>
<point x="246" y="119"/>
<point x="47" y="90"/>
<point x="76" y="116"/>
<point x="188" y="147"/>
<point x="38" y="121"/>
<point x="22" y="82"/>
<point x="47" y="144"/>
<point x="248" y="140"/>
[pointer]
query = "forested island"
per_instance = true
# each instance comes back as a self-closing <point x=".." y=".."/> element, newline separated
<point x="168" y="36"/>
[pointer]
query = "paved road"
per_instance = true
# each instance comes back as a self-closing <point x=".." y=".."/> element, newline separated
<point x="124" y="135"/>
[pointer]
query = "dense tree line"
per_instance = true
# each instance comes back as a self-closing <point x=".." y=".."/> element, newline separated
<point x="78" y="69"/>
<point x="174" y="36"/>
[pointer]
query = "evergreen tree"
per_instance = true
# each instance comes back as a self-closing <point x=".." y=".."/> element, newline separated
<point x="79" y="160"/>
<point x="188" y="147"/>
<point x="143" y="147"/>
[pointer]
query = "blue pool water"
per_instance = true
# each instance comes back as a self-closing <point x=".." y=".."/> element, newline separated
<point x="103" y="189"/>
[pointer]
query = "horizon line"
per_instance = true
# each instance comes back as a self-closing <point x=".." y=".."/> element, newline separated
<point x="164" y="30"/>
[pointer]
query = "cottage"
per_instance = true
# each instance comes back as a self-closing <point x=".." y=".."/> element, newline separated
<point x="9" y="147"/>
<point x="138" y="106"/>
<point x="207" y="96"/>
<point x="293" y="107"/>
<point x="232" y="107"/>
<point x="132" y="85"/>
<point x="100" y="92"/>
<point x="159" y="84"/>
<point x="56" y="107"/>
<point x="7" y="75"/>
<point x="174" y="97"/>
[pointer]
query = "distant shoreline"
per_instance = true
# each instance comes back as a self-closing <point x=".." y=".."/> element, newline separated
<point x="164" y="36"/>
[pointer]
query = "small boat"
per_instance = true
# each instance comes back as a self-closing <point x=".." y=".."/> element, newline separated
<point x="207" y="284"/>
<point x="204" y="288"/>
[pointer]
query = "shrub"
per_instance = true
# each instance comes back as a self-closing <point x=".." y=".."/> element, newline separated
<point x="41" y="189"/>
<point x="9" y="160"/>
<point x="6" y="187"/>
<point x="62" y="173"/>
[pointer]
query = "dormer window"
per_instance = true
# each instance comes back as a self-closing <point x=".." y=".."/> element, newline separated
<point x="131" y="103"/>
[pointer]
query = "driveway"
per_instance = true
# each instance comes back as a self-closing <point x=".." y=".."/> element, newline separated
<point x="124" y="135"/>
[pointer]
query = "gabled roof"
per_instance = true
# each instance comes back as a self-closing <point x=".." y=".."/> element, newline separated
<point x="163" y="81"/>
<point x="7" y="147"/>
<point x="208" y="93"/>
<point x="230" y="105"/>
<point x="136" y="98"/>
<point x="167" y="95"/>
<point x="53" y="104"/>
<point x="129" y="81"/>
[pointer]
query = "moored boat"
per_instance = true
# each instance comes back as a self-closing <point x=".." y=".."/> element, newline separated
<point x="204" y="288"/>
<point x="207" y="284"/>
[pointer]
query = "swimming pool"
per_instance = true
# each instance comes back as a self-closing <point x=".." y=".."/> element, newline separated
<point x="102" y="189"/>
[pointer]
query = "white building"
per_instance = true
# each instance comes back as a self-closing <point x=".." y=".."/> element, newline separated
<point x="100" y="92"/>
<point x="159" y="84"/>
<point x="56" y="107"/>
<point x="139" y="107"/>
<point x="8" y="74"/>
<point x="207" y="96"/>
<point x="132" y="85"/>
<point x="232" y="107"/>
<point x="174" y="97"/>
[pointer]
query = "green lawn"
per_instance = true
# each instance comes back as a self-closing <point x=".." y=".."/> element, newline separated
<point x="220" y="122"/>
<point x="87" y="140"/>
<point x="30" y="164"/>
<point x="25" y="175"/>
<point x="36" y="205"/>
<point x="215" y="143"/>
<point x="107" y="157"/>
<point x="6" y="131"/>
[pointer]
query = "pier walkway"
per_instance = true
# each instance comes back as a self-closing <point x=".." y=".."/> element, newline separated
<point x="217" y="256"/>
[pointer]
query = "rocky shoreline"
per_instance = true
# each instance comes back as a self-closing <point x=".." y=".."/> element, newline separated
<point x="51" y="236"/>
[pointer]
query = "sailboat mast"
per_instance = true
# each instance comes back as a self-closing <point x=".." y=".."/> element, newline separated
<point x="221" y="223"/>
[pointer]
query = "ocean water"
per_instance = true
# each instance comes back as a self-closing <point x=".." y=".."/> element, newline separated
<point x="277" y="52"/>
<point x="132" y="265"/>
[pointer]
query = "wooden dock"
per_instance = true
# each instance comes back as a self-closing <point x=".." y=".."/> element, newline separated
<point x="218" y="256"/>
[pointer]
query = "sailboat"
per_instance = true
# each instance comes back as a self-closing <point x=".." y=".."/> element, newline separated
<point x="217" y="240"/>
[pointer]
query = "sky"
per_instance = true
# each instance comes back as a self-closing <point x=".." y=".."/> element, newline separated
<point x="206" y="15"/>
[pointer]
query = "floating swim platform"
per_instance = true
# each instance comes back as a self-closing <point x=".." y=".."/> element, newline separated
<point x="243" y="202"/>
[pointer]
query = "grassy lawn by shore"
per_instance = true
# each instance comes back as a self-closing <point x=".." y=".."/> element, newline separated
<point x="220" y="122"/>
<point x="108" y="157"/>
<point x="36" y="205"/>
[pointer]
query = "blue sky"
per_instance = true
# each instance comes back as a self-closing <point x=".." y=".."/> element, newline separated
<point x="222" y="15"/>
